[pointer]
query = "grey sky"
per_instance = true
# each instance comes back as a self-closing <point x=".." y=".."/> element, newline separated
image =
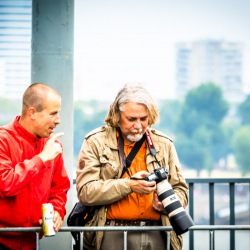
<point x="119" y="41"/>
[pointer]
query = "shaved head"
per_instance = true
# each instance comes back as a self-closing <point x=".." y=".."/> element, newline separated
<point x="36" y="96"/>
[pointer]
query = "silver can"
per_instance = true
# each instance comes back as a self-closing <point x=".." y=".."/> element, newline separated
<point x="47" y="216"/>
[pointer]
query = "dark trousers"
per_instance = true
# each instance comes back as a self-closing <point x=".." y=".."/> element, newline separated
<point x="144" y="240"/>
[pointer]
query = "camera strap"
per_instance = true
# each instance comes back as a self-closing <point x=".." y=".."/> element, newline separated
<point x="151" y="146"/>
<point x="127" y="161"/>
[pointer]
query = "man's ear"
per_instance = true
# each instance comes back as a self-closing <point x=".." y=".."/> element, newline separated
<point x="32" y="113"/>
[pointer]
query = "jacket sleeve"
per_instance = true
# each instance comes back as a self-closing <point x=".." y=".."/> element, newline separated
<point x="97" y="182"/>
<point x="15" y="177"/>
<point x="59" y="187"/>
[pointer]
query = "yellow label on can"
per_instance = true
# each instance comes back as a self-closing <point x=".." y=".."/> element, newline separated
<point x="47" y="216"/>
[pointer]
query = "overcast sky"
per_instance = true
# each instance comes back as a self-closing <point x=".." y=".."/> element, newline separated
<point x="122" y="41"/>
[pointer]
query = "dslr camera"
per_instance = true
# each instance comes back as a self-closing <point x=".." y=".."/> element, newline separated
<point x="180" y="220"/>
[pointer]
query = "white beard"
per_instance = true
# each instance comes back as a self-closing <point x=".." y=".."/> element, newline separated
<point x="135" y="137"/>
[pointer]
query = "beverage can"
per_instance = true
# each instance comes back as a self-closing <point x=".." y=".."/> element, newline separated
<point x="47" y="216"/>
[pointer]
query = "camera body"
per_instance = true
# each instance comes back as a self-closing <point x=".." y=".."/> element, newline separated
<point x="180" y="220"/>
<point x="159" y="175"/>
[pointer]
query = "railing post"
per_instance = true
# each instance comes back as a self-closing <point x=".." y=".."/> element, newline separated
<point x="81" y="240"/>
<point x="125" y="243"/>
<point x="232" y="214"/>
<point x="211" y="208"/>
<point x="168" y="240"/>
<point x="211" y="240"/>
<point x="191" y="212"/>
<point x="37" y="241"/>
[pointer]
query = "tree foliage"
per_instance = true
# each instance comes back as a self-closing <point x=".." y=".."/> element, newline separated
<point x="203" y="106"/>
<point x="241" y="145"/>
<point x="199" y="124"/>
<point x="244" y="110"/>
<point x="208" y="101"/>
<point x="191" y="154"/>
<point x="169" y="114"/>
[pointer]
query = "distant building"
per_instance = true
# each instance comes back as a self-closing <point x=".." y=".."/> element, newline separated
<point x="15" y="46"/>
<point x="213" y="61"/>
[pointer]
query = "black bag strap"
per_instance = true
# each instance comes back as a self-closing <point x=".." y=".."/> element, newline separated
<point x="127" y="161"/>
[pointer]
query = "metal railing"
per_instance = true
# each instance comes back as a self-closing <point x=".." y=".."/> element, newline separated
<point x="126" y="229"/>
<point x="211" y="228"/>
<point x="211" y="186"/>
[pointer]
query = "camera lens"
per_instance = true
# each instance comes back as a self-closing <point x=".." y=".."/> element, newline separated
<point x="178" y="217"/>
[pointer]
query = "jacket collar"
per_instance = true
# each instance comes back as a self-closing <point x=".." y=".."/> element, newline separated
<point x="111" y="141"/>
<point x="23" y="132"/>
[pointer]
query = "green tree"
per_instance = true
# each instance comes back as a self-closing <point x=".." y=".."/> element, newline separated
<point x="169" y="113"/>
<point x="191" y="154"/>
<point x="203" y="105"/>
<point x="200" y="120"/>
<point x="241" y="145"/>
<point x="229" y="128"/>
<point x="243" y="111"/>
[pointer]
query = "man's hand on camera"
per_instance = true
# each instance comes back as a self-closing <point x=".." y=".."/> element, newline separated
<point x="141" y="186"/>
<point x="157" y="204"/>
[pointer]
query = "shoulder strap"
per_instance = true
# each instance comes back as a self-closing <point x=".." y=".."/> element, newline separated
<point x="128" y="161"/>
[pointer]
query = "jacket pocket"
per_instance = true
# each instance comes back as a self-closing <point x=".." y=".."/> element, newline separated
<point x="109" y="168"/>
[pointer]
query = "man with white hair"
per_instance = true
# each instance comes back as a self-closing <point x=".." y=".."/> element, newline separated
<point x="111" y="169"/>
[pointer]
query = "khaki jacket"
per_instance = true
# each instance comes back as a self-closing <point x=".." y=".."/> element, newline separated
<point x="99" y="168"/>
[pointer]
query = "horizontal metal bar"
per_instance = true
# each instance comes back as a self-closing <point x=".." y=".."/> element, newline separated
<point x="20" y="229"/>
<point x="220" y="227"/>
<point x="212" y="180"/>
<point x="157" y="228"/>
<point x="218" y="180"/>
<point x="127" y="228"/>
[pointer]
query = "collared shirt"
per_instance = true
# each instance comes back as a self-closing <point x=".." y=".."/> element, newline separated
<point x="134" y="206"/>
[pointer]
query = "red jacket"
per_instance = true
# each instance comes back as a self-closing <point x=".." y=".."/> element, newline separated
<point x="26" y="182"/>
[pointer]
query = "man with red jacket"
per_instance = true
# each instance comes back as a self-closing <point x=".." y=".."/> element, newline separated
<point x="32" y="169"/>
